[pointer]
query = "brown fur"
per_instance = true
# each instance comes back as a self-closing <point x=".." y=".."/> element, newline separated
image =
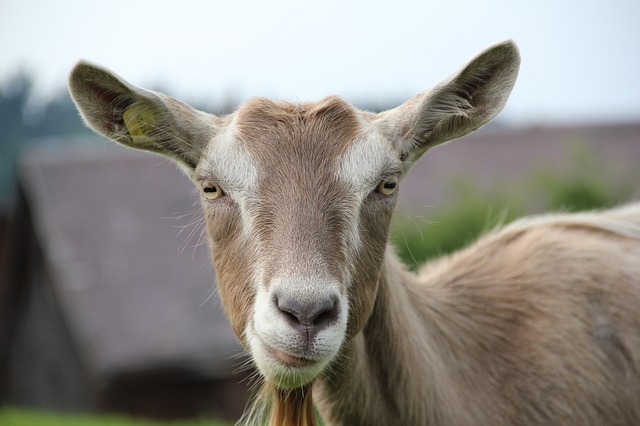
<point x="286" y="231"/>
<point x="536" y="324"/>
<point x="293" y="408"/>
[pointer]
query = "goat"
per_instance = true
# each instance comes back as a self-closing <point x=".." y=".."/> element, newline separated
<point x="536" y="324"/>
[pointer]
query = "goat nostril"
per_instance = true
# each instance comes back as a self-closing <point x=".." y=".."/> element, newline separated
<point x="292" y="317"/>
<point x="326" y="313"/>
<point x="316" y="314"/>
<point x="289" y="310"/>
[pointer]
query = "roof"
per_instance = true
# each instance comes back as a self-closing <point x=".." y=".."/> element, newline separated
<point x="135" y="288"/>
<point x="494" y="158"/>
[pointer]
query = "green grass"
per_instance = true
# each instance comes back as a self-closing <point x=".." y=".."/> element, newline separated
<point x="22" y="417"/>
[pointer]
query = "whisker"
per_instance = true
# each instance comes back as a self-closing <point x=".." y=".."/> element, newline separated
<point x="196" y="226"/>
<point x="208" y="298"/>
<point x="200" y="240"/>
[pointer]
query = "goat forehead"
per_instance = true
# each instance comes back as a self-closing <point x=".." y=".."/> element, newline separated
<point x="285" y="135"/>
<point x="314" y="144"/>
<point x="325" y="147"/>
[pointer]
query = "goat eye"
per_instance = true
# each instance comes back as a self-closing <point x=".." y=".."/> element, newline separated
<point x="212" y="191"/>
<point x="388" y="186"/>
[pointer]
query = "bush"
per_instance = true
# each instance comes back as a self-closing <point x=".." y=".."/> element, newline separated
<point x="472" y="214"/>
<point x="582" y="187"/>
<point x="450" y="229"/>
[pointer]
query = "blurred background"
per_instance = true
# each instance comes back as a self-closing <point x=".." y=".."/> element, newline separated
<point x="107" y="301"/>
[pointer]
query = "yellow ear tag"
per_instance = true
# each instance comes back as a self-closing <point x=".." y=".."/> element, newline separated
<point x="139" y="120"/>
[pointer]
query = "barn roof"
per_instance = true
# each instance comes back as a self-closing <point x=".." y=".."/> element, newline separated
<point x="135" y="289"/>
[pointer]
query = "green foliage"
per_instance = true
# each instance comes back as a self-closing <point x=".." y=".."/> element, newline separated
<point x="452" y="228"/>
<point x="581" y="187"/>
<point x="21" y="417"/>
<point x="471" y="214"/>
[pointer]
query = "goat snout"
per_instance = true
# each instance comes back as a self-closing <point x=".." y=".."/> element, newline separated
<point x="308" y="316"/>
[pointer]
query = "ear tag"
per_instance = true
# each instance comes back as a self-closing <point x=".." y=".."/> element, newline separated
<point x="139" y="120"/>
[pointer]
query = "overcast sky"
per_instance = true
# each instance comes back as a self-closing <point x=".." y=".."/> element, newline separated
<point x="580" y="58"/>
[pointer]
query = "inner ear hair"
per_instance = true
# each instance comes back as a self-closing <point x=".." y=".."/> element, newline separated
<point x="459" y="105"/>
<point x="139" y="118"/>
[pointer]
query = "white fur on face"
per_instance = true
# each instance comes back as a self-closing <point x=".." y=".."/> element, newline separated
<point x="228" y="163"/>
<point x="368" y="160"/>
<point x="365" y="161"/>
<point x="269" y="330"/>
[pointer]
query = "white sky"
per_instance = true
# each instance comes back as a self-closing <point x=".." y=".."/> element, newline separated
<point x="580" y="58"/>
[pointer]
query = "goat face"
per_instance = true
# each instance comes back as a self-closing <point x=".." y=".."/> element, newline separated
<point x="297" y="198"/>
<point x="293" y="194"/>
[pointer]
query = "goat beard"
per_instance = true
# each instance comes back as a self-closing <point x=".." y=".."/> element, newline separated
<point x="291" y="407"/>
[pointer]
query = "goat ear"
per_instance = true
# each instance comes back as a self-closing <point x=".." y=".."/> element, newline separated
<point x="139" y="118"/>
<point x="459" y="105"/>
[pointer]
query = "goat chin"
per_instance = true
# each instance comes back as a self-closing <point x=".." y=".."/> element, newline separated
<point x="285" y="371"/>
